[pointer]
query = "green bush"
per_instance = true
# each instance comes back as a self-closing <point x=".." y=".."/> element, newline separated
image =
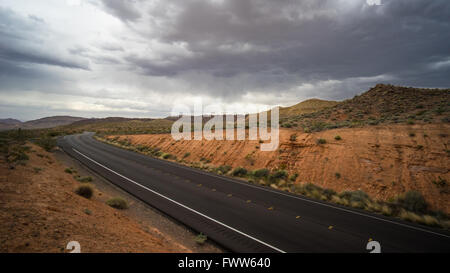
<point x="223" y="169"/>
<point x="239" y="171"/>
<point x="47" y="143"/>
<point x="413" y="201"/>
<point x="117" y="203"/>
<point x="201" y="238"/>
<point x="186" y="155"/>
<point x="279" y="174"/>
<point x="85" y="191"/>
<point x="293" y="177"/>
<point x="67" y="170"/>
<point x="321" y="141"/>
<point x="261" y="173"/>
<point x="337" y="137"/>
<point x="354" y="196"/>
<point x="84" y="179"/>
<point x="17" y="155"/>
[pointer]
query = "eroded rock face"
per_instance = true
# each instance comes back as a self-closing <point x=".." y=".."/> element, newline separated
<point x="383" y="161"/>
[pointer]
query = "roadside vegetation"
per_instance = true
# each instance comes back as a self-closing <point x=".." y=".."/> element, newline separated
<point x="14" y="148"/>
<point x="410" y="206"/>
<point x="85" y="190"/>
<point x="117" y="203"/>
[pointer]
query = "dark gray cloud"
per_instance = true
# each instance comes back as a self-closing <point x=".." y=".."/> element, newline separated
<point x="314" y="40"/>
<point x="259" y="52"/>
<point x="123" y="9"/>
<point x="21" y="42"/>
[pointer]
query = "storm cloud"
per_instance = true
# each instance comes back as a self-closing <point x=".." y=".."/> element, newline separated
<point x="245" y="53"/>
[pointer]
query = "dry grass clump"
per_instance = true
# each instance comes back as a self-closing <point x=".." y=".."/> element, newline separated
<point x="117" y="203"/>
<point x="85" y="191"/>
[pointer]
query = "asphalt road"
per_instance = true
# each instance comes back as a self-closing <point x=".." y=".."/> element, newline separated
<point x="248" y="218"/>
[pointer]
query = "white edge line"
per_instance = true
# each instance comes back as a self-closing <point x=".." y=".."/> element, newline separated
<point x="184" y="206"/>
<point x="307" y="200"/>
<point x="310" y="201"/>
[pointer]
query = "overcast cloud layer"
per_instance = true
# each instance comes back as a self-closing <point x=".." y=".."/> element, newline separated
<point x="138" y="58"/>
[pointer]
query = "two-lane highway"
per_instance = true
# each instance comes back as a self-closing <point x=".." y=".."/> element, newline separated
<point x="244" y="217"/>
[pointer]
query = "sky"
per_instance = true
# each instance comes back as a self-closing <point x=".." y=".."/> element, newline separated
<point x="136" y="58"/>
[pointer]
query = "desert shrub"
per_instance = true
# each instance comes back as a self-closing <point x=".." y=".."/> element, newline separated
<point x="440" y="182"/>
<point x="386" y="210"/>
<point x="166" y="156"/>
<point x="201" y="238"/>
<point x="47" y="143"/>
<point x="250" y="159"/>
<point x="223" y="169"/>
<point x="67" y="170"/>
<point x="321" y="141"/>
<point x="117" y="203"/>
<point x="409" y="216"/>
<point x="354" y="196"/>
<point x="328" y="193"/>
<point x="412" y="201"/>
<point x="17" y="155"/>
<point x="85" y="191"/>
<point x="320" y="193"/>
<point x="279" y="174"/>
<point x="261" y="173"/>
<point x="439" y="110"/>
<point x="337" y="137"/>
<point x="186" y="155"/>
<point x="338" y="175"/>
<point x="293" y="137"/>
<point x="293" y="177"/>
<point x="239" y="171"/>
<point x="84" y="179"/>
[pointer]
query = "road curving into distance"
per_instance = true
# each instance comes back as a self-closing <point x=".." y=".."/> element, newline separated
<point x="244" y="217"/>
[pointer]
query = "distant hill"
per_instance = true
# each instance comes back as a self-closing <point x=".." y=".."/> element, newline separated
<point x="382" y="104"/>
<point x="10" y="121"/>
<point x="304" y="107"/>
<point x="42" y="123"/>
<point x="118" y="125"/>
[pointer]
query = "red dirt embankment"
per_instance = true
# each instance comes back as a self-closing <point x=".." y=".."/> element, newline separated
<point x="39" y="212"/>
<point x="383" y="161"/>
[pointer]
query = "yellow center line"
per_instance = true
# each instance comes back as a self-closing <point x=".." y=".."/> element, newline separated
<point x="270" y="208"/>
<point x="298" y="217"/>
<point x="330" y="227"/>
<point x="248" y="201"/>
<point x="229" y="195"/>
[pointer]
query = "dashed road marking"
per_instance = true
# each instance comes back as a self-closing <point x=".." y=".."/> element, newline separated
<point x="229" y="195"/>
<point x="248" y="201"/>
<point x="330" y="227"/>
<point x="180" y="204"/>
<point x="297" y="217"/>
<point x="270" y="208"/>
